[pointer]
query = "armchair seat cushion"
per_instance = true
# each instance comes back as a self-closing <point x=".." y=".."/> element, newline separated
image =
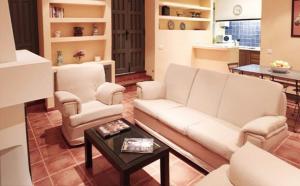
<point x="217" y="135"/>
<point x="94" y="110"/>
<point x="154" y="107"/>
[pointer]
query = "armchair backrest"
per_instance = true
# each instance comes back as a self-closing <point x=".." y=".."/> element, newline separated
<point x="252" y="166"/>
<point x="81" y="80"/>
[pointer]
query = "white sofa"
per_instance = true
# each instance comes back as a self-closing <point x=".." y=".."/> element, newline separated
<point x="85" y="100"/>
<point x="251" y="166"/>
<point x="206" y="115"/>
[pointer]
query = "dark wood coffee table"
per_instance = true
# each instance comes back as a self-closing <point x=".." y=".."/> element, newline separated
<point x="126" y="163"/>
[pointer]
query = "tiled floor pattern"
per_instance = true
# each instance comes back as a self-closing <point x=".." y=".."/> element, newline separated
<point x="53" y="162"/>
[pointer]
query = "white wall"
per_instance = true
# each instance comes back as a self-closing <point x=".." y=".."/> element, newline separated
<point x="172" y="46"/>
<point x="177" y="47"/>
<point x="251" y="9"/>
<point x="276" y="34"/>
<point x="7" y="44"/>
<point x="14" y="166"/>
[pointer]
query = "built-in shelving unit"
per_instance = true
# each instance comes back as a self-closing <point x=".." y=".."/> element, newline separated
<point x="184" y="6"/>
<point x="77" y="39"/>
<point x="79" y="2"/>
<point x="61" y="16"/>
<point x="191" y="14"/>
<point x="184" y="18"/>
<point x="78" y="20"/>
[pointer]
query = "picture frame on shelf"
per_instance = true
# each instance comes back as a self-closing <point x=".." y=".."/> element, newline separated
<point x="295" y="31"/>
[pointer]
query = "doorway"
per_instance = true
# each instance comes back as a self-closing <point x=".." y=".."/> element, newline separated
<point x="25" y="25"/>
<point x="128" y="35"/>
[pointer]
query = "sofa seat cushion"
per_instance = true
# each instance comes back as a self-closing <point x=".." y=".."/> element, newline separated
<point x="155" y="107"/>
<point x="180" y="118"/>
<point x="94" y="110"/>
<point x="218" y="177"/>
<point x="217" y="135"/>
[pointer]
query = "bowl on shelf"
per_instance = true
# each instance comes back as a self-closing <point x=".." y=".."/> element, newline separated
<point x="280" y="66"/>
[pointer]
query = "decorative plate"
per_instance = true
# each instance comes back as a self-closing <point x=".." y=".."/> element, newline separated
<point x="182" y="26"/>
<point x="171" y="25"/>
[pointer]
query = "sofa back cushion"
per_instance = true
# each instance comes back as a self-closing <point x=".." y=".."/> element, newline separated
<point x="246" y="98"/>
<point x="178" y="82"/>
<point x="80" y="79"/>
<point x="252" y="166"/>
<point x="207" y="90"/>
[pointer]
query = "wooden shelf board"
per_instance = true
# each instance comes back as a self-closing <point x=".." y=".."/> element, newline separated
<point x="78" y="20"/>
<point x="184" y="6"/>
<point x="176" y="18"/>
<point x="79" y="2"/>
<point x="77" y="39"/>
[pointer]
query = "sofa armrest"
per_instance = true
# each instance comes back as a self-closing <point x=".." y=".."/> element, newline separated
<point x="68" y="103"/>
<point x="265" y="127"/>
<point x="110" y="93"/>
<point x="149" y="90"/>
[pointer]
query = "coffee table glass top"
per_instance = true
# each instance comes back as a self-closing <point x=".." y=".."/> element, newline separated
<point x="115" y="143"/>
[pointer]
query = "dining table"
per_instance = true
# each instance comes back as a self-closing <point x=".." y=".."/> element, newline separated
<point x="289" y="79"/>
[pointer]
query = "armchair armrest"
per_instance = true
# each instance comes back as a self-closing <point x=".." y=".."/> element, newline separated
<point x="265" y="127"/>
<point x="150" y="90"/>
<point x="110" y="93"/>
<point x="68" y="103"/>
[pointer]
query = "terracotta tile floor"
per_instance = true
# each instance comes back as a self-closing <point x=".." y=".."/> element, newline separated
<point x="53" y="162"/>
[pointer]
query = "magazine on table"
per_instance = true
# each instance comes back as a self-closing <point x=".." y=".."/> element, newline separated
<point x="112" y="128"/>
<point x="139" y="145"/>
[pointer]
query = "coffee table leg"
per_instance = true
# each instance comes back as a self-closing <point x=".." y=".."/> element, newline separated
<point x="124" y="179"/>
<point x="88" y="153"/>
<point x="164" y="171"/>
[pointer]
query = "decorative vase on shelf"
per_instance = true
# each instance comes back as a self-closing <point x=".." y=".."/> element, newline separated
<point x="60" y="58"/>
<point x="78" y="31"/>
<point x="78" y="55"/>
<point x="95" y="30"/>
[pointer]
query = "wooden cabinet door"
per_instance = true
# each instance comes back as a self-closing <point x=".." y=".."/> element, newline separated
<point x="244" y="57"/>
<point x="24" y="22"/>
<point x="255" y="57"/>
<point x="128" y="35"/>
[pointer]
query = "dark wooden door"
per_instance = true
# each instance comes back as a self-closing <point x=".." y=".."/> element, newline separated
<point x="128" y="30"/>
<point x="24" y="22"/>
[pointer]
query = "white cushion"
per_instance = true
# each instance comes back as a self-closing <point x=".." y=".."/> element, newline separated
<point x="217" y="135"/>
<point x="81" y="80"/>
<point x="180" y="118"/>
<point x="247" y="98"/>
<point x="252" y="166"/>
<point x="150" y="90"/>
<point x="94" y="110"/>
<point x="265" y="125"/>
<point x="218" y="177"/>
<point x="155" y="107"/>
<point x="178" y="82"/>
<point x="106" y="91"/>
<point x="206" y="92"/>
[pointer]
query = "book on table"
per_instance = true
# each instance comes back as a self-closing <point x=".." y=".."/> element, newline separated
<point x="139" y="145"/>
<point x="112" y="128"/>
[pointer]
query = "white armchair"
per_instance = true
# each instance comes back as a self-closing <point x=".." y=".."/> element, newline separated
<point x="85" y="100"/>
<point x="252" y="166"/>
